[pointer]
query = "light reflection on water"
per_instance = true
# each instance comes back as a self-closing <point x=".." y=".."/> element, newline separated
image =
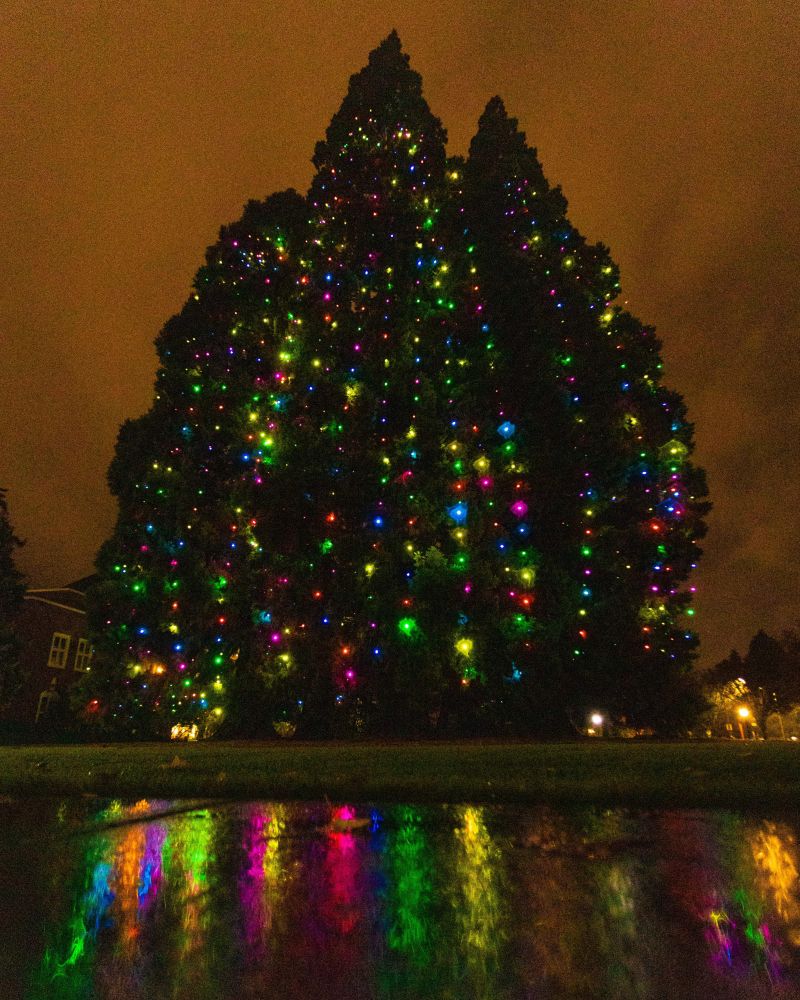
<point x="170" y="900"/>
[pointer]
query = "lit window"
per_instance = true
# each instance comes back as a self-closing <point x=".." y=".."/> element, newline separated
<point x="83" y="655"/>
<point x="59" y="648"/>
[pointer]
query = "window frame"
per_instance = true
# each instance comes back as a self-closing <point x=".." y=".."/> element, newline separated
<point x="61" y="651"/>
<point x="83" y="656"/>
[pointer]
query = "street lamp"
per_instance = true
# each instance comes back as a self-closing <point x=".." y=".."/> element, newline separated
<point x="597" y="721"/>
<point x="744" y="713"/>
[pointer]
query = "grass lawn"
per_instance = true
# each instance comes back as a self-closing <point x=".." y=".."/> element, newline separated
<point x="730" y="774"/>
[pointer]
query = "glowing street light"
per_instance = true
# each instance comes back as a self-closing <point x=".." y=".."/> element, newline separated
<point x="744" y="713"/>
<point x="596" y="722"/>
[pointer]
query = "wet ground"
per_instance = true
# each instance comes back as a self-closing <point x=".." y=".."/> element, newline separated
<point x="286" y="900"/>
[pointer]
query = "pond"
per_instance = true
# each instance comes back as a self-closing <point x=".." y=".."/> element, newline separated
<point x="152" y="899"/>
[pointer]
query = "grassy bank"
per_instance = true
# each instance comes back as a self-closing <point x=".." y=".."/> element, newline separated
<point x="735" y="775"/>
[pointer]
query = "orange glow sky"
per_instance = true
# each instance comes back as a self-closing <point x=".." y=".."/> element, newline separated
<point x="131" y="132"/>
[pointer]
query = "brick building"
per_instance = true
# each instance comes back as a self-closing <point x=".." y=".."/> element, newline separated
<point x="55" y="651"/>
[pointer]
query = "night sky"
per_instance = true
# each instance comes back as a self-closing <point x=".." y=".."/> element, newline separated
<point x="131" y="132"/>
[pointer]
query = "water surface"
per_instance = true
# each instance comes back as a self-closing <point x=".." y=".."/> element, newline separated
<point x="268" y="899"/>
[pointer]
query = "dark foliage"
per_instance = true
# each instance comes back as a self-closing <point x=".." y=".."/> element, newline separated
<point x="770" y="668"/>
<point x="12" y="589"/>
<point x="408" y="469"/>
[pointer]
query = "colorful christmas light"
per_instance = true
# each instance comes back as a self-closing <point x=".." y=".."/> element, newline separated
<point x="313" y="475"/>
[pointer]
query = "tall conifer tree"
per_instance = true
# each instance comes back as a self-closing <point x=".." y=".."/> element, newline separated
<point x="407" y="466"/>
<point x="618" y="505"/>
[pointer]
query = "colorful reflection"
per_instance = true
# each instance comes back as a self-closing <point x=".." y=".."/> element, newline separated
<point x="409" y="927"/>
<point x="740" y="927"/>
<point x="68" y="959"/>
<point x="308" y="900"/>
<point x="775" y="854"/>
<point x="478" y="895"/>
<point x="151" y="869"/>
<point x="737" y="880"/>
<point x="252" y="885"/>
<point x="412" y="923"/>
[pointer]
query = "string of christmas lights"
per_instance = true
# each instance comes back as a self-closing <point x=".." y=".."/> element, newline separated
<point x="407" y="466"/>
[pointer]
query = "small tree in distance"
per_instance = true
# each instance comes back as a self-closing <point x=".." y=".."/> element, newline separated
<point x="770" y="670"/>
<point x="12" y="589"/>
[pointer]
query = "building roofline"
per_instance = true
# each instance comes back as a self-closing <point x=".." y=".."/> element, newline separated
<point x="54" y="590"/>
<point x="43" y="600"/>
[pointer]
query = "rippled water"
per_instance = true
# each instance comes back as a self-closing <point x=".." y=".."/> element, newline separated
<point x="173" y="900"/>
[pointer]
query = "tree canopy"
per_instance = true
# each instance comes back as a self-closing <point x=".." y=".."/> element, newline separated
<point x="12" y="589"/>
<point x="770" y="669"/>
<point x="408" y="467"/>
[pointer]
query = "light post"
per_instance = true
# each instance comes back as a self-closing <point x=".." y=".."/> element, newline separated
<point x="597" y="721"/>
<point x="744" y="713"/>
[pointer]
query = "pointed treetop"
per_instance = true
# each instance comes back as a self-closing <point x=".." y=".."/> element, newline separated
<point x="390" y="48"/>
<point x="384" y="95"/>
<point x="502" y="169"/>
<point x="495" y="108"/>
<point x="388" y="61"/>
<point x="499" y="135"/>
<point x="499" y="153"/>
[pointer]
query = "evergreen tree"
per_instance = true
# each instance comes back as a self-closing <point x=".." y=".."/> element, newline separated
<point x="408" y="514"/>
<point x="617" y="506"/>
<point x="769" y="666"/>
<point x="729" y="669"/>
<point x="12" y="589"/>
<point x="170" y="624"/>
<point x="407" y="467"/>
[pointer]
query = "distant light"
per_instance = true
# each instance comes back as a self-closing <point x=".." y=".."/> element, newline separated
<point x="597" y="719"/>
<point x="184" y="732"/>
